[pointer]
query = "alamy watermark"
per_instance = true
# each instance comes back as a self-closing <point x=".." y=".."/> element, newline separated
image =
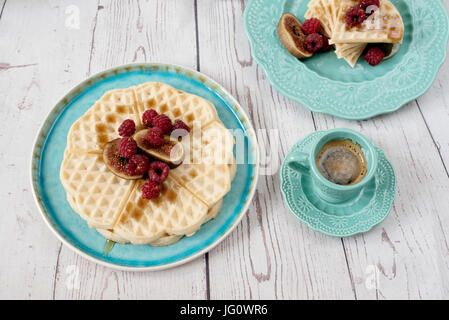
<point x="72" y="20"/>
<point x="372" y="277"/>
<point x="72" y="279"/>
<point x="218" y="145"/>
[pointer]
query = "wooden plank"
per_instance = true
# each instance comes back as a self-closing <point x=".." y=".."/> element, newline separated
<point x="45" y="50"/>
<point x="37" y="65"/>
<point x="123" y="33"/>
<point x="434" y="105"/>
<point x="435" y="110"/>
<point x="2" y="7"/>
<point x="410" y="248"/>
<point x="137" y="31"/>
<point x="78" y="278"/>
<point x="270" y="255"/>
<point x="408" y="251"/>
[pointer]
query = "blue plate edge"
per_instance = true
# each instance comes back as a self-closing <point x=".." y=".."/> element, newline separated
<point x="337" y="114"/>
<point x="39" y="144"/>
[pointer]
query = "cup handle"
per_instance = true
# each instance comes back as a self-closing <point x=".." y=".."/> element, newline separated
<point x="298" y="161"/>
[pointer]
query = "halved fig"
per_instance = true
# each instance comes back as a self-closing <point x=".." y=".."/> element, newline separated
<point x="390" y="49"/>
<point x="292" y="37"/>
<point x="115" y="162"/>
<point x="171" y="152"/>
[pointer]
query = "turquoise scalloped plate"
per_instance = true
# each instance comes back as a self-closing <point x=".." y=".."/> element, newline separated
<point x="353" y="217"/>
<point x="329" y="85"/>
<point x="73" y="231"/>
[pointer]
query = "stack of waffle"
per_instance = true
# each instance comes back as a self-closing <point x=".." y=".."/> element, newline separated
<point x="383" y="26"/>
<point x="192" y="193"/>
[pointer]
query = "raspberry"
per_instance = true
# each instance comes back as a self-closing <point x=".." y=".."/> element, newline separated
<point x="127" y="128"/>
<point x="314" y="42"/>
<point x="163" y="122"/>
<point x="369" y="6"/>
<point x="374" y="56"/>
<point x="326" y="46"/>
<point x="312" y="25"/>
<point x="131" y="168"/>
<point x="150" y="189"/>
<point x="148" y="117"/>
<point x="355" y="16"/>
<point x="139" y="163"/>
<point x="155" y="137"/>
<point x="127" y="147"/>
<point x="180" y="125"/>
<point x="158" y="171"/>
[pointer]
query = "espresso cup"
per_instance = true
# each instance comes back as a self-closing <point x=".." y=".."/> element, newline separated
<point x="305" y="163"/>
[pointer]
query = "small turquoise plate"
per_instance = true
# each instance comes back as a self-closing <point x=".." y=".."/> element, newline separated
<point x="50" y="144"/>
<point x="329" y="85"/>
<point x="346" y="219"/>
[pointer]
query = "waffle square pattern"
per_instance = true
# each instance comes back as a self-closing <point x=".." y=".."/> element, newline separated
<point x="192" y="193"/>
<point x="384" y="25"/>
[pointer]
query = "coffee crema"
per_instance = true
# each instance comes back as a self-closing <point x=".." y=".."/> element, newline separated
<point x="341" y="162"/>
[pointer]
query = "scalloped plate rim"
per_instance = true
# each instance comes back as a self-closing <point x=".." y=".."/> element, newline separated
<point x="316" y="229"/>
<point x="73" y="93"/>
<point x="337" y="114"/>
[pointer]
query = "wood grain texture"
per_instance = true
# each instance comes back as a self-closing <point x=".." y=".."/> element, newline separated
<point x="271" y="255"/>
<point x="125" y="32"/>
<point x="30" y="84"/>
<point x="434" y="105"/>
<point x="136" y="31"/>
<point x="409" y="249"/>
<point x="45" y="49"/>
<point x="40" y="60"/>
<point x="2" y="6"/>
<point x="78" y="278"/>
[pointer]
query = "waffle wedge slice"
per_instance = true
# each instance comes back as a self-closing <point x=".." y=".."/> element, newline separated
<point x="98" y="193"/>
<point x="207" y="182"/>
<point x="327" y="11"/>
<point x="176" y="211"/>
<point x="350" y="52"/>
<point x="166" y="239"/>
<point x="206" y="170"/>
<point x="169" y="239"/>
<point x="109" y="234"/>
<point x="176" y="104"/>
<point x="385" y="25"/>
<point x="100" y="123"/>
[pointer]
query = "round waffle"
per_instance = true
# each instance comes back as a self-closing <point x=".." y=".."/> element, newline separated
<point x="190" y="196"/>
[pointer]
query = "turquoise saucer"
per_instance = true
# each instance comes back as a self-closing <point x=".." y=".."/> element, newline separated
<point x="329" y="85"/>
<point x="74" y="232"/>
<point x="339" y="220"/>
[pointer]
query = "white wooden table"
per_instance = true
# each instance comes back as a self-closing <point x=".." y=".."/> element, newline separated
<point x="46" y="47"/>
